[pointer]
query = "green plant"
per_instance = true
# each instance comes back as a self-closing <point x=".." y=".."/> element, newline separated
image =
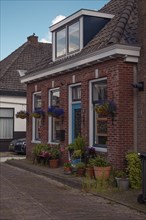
<point x="39" y="148"/>
<point x="80" y="165"/>
<point x="120" y="174"/>
<point x="67" y="164"/>
<point x="77" y="146"/>
<point x="77" y="154"/>
<point x="90" y="162"/>
<point x="100" y="161"/>
<point x="54" y="152"/>
<point x="134" y="169"/>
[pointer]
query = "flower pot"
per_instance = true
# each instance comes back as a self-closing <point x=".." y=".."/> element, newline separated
<point x="90" y="172"/>
<point x="67" y="170"/>
<point x="80" y="172"/>
<point x="123" y="183"/>
<point x="102" y="172"/>
<point x="54" y="163"/>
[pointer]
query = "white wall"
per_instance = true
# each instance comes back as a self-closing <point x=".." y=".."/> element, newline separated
<point x="18" y="103"/>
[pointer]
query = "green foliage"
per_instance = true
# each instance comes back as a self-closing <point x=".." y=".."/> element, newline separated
<point x="100" y="161"/>
<point x="39" y="148"/>
<point x="77" y="148"/>
<point x="80" y="165"/>
<point x="90" y="162"/>
<point x="54" y="152"/>
<point x="134" y="169"/>
<point x="120" y="174"/>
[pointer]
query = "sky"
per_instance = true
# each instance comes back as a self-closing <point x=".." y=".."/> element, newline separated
<point x="21" y="18"/>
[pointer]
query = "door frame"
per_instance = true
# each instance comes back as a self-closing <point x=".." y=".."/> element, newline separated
<point x="70" y="110"/>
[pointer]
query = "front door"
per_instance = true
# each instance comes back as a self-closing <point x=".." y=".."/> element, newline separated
<point x="76" y="120"/>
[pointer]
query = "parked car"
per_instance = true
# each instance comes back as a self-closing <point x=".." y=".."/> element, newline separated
<point x="18" y="146"/>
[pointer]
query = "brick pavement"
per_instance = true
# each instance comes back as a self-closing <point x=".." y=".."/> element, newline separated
<point x="127" y="198"/>
<point x="25" y="196"/>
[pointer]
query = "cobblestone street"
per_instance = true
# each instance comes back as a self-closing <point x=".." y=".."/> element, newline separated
<point x="27" y="196"/>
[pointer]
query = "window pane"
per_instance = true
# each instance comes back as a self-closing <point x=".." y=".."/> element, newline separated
<point x="99" y="91"/>
<point x="56" y="127"/>
<point x="100" y="122"/>
<point x="74" y="39"/>
<point x="76" y="93"/>
<point x="55" y="98"/>
<point x="6" y="128"/>
<point x="37" y="128"/>
<point x="4" y="113"/>
<point x="37" y="101"/>
<point x="61" y="43"/>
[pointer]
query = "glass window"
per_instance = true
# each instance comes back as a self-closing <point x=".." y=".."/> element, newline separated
<point x="37" y="121"/>
<point x="55" y="121"/>
<point x="61" y="43"/>
<point x="67" y="40"/>
<point x="73" y="37"/>
<point x="76" y="93"/>
<point x="100" y="121"/>
<point x="6" y="123"/>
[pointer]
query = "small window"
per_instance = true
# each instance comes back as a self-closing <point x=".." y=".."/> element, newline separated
<point x="76" y="93"/>
<point x="100" y="121"/>
<point x="67" y="40"/>
<point x="56" y="122"/>
<point x="6" y="123"/>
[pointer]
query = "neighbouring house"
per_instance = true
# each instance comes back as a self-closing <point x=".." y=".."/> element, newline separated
<point x="13" y="92"/>
<point x="98" y="63"/>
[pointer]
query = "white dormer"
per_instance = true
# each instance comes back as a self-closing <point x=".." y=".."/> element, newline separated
<point x="72" y="33"/>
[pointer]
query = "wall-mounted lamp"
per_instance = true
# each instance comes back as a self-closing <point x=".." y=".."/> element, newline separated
<point x="139" y="86"/>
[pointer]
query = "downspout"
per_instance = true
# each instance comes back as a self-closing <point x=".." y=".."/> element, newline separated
<point x="135" y="98"/>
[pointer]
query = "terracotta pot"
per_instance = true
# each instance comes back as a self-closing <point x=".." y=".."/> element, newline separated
<point x="102" y="172"/>
<point x="54" y="163"/>
<point x="90" y="172"/>
<point x="67" y="170"/>
<point x="80" y="172"/>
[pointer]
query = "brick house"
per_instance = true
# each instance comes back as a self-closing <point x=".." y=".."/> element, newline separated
<point x="13" y="92"/>
<point x="96" y="56"/>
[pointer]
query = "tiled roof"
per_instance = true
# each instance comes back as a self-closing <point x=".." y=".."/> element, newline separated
<point x="121" y="29"/>
<point x="24" y="58"/>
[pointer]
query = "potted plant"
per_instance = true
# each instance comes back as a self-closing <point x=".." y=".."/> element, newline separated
<point x="54" y="156"/>
<point x="90" y="168"/>
<point x="102" y="168"/>
<point x="22" y="114"/>
<point x="122" y="179"/>
<point x="37" y="113"/>
<point x="67" y="167"/>
<point x="80" y="169"/>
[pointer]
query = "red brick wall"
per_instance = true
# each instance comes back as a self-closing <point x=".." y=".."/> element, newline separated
<point x="119" y="79"/>
<point x="142" y="77"/>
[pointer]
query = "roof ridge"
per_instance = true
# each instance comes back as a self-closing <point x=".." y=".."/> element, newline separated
<point x="122" y="22"/>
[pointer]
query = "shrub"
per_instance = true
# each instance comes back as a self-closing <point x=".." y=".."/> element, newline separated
<point x="134" y="169"/>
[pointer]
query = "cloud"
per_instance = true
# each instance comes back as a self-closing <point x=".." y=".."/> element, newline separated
<point x="48" y="37"/>
<point x="57" y="19"/>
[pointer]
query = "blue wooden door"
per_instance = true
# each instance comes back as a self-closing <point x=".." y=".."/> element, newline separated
<point x="76" y="120"/>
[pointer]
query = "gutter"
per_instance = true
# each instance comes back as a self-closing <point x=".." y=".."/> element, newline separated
<point x="131" y="54"/>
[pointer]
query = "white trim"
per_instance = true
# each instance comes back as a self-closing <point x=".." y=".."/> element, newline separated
<point x="91" y="116"/>
<point x="70" y="111"/>
<point x="131" y="59"/>
<point x="78" y="14"/>
<point x="117" y="49"/>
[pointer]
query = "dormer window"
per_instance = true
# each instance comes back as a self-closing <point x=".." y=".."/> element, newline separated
<point x="67" y="40"/>
<point x="72" y="33"/>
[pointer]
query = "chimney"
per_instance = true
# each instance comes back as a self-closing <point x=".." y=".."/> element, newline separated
<point x="33" y="39"/>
